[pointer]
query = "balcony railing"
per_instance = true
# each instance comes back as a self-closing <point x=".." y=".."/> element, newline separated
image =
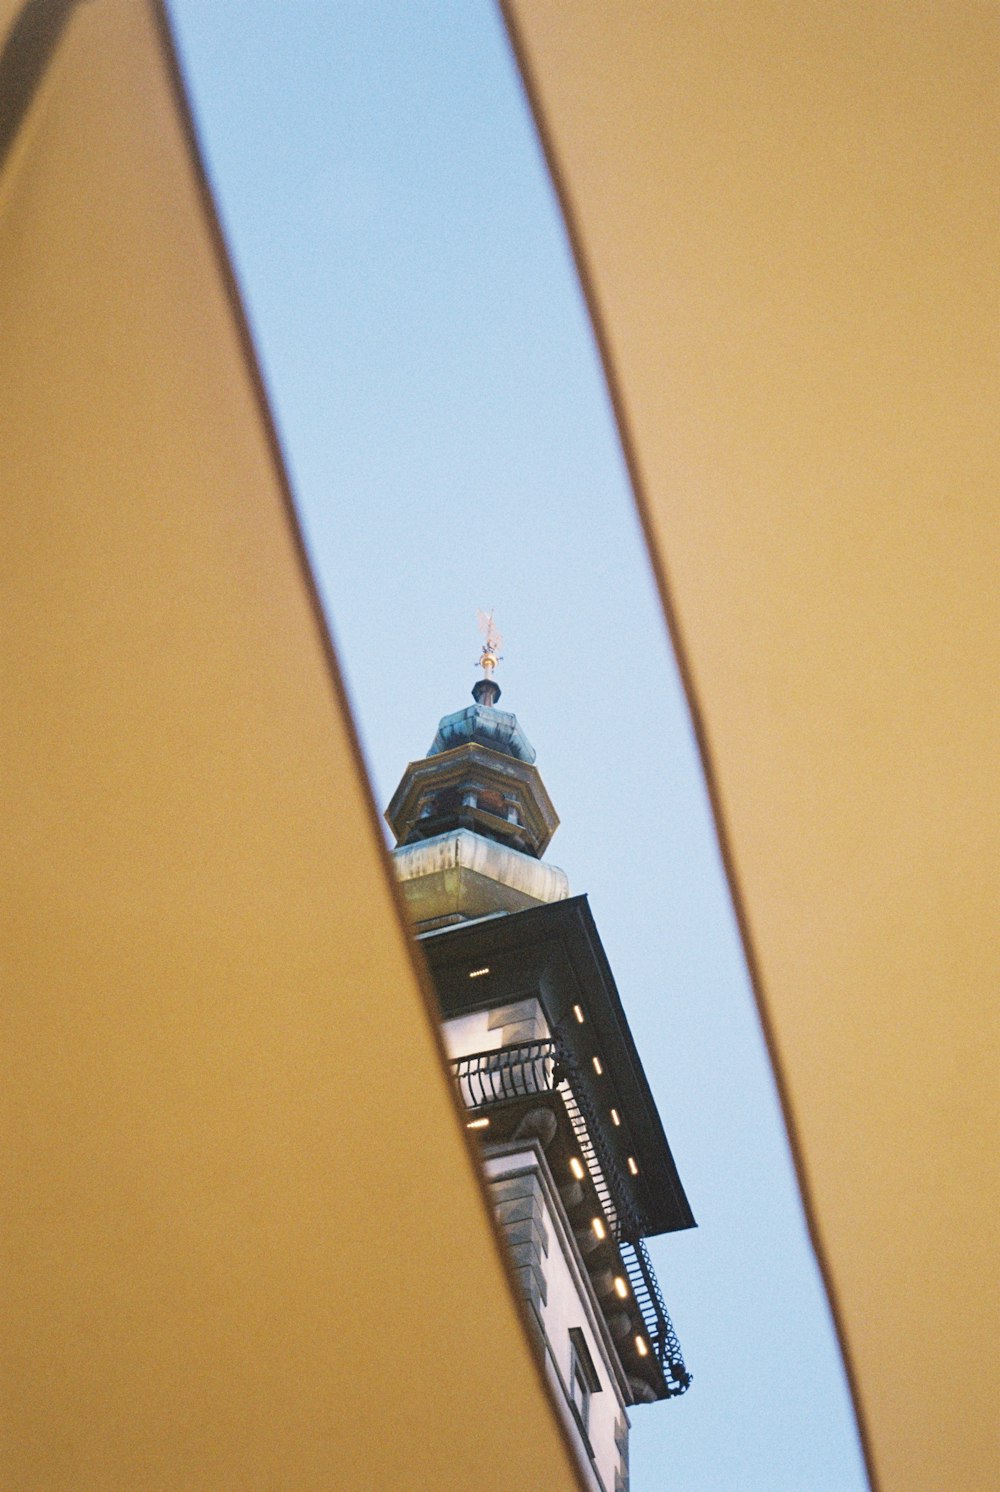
<point x="646" y="1289"/>
<point x="510" y="1074"/>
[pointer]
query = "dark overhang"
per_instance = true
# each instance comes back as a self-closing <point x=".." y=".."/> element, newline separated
<point x="555" y="953"/>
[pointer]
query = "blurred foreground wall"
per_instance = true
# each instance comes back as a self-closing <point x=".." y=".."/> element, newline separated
<point x="786" y="219"/>
<point x="244" y="1238"/>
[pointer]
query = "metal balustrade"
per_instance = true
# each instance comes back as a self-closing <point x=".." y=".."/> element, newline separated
<point x="663" y="1338"/>
<point x="508" y="1072"/>
<point x="547" y="1067"/>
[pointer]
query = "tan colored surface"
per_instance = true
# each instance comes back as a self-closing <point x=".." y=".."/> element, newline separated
<point x="787" y="214"/>
<point x="244" y="1241"/>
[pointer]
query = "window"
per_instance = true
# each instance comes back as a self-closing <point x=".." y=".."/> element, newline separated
<point x="583" y="1379"/>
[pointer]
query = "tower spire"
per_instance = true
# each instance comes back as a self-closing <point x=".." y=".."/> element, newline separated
<point x="486" y="691"/>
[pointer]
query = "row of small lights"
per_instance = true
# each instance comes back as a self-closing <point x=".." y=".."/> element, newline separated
<point x="601" y="1232"/>
<point x="616" y="1118"/>
<point x="577" y="1167"/>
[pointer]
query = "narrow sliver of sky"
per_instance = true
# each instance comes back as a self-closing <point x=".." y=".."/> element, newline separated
<point x="451" y="446"/>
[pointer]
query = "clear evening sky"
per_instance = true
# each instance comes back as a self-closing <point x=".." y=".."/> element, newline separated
<point x="451" y="446"/>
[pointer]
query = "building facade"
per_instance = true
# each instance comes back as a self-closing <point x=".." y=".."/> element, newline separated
<point x="574" y="1152"/>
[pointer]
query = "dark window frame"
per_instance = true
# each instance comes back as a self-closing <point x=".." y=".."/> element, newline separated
<point x="583" y="1378"/>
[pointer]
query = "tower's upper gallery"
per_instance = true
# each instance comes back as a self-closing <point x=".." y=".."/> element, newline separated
<point x="479" y="775"/>
<point x="472" y="820"/>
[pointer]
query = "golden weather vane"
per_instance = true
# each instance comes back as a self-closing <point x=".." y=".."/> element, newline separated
<point x="492" y="643"/>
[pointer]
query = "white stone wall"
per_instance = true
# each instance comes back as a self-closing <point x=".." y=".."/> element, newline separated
<point x="541" y="1244"/>
<point x="466" y="1034"/>
<point x="488" y="1030"/>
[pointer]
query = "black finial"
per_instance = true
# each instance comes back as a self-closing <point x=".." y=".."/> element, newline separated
<point x="486" y="691"/>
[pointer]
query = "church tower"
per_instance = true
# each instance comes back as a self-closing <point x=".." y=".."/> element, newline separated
<point x="574" y="1152"/>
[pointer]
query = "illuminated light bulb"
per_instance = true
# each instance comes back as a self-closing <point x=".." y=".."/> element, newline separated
<point x="578" y="1012"/>
<point x="597" y="1065"/>
<point x="599" y="1228"/>
<point x="478" y="973"/>
<point x="477" y="1124"/>
<point x="576" y="1166"/>
<point x="615" y="1117"/>
<point x="641" y="1348"/>
<point x="621" y="1287"/>
<point x="632" y="1165"/>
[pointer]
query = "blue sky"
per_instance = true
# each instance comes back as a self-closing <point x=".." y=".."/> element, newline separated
<point x="451" y="446"/>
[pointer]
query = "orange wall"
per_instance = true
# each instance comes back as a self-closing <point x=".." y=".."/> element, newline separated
<point x="245" y="1242"/>
<point x="786" y="218"/>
